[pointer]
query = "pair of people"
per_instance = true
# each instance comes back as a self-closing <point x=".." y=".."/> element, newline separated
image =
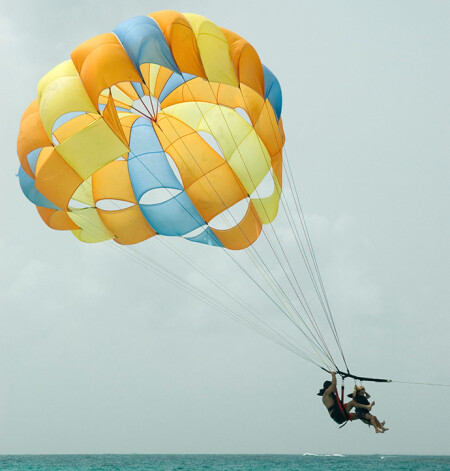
<point x="340" y="412"/>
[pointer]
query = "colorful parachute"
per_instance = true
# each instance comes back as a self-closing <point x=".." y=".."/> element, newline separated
<point x="169" y="125"/>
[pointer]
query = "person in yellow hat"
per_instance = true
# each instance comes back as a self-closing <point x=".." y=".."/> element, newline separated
<point x="361" y="396"/>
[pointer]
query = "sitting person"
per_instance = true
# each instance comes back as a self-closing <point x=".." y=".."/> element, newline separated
<point x="361" y="396"/>
<point x="339" y="412"/>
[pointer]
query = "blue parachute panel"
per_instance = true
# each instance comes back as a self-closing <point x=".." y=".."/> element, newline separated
<point x="145" y="43"/>
<point x="150" y="171"/>
<point x="32" y="159"/>
<point x="273" y="91"/>
<point x="174" y="82"/>
<point x="148" y="166"/>
<point x="174" y="217"/>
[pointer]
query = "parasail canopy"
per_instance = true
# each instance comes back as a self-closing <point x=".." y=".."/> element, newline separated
<point x="171" y="126"/>
<point x="168" y="125"/>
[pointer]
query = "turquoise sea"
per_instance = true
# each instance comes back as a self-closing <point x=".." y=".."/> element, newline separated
<point x="220" y="462"/>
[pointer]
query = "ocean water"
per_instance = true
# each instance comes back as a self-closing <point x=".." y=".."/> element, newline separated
<point x="221" y="462"/>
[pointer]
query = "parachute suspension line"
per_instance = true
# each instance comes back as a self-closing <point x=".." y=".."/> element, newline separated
<point x="302" y="219"/>
<point x="272" y="277"/>
<point x="224" y="207"/>
<point x="199" y="167"/>
<point x="278" y="291"/>
<point x="215" y="304"/>
<point x="316" y="346"/>
<point x="149" y="264"/>
<point x="151" y="114"/>
<point x="304" y="302"/>
<point x="294" y="231"/>
<point x="287" y="338"/>
<point x="281" y="195"/>
<point x="259" y="257"/>
<point x="232" y="314"/>
<point x="172" y="278"/>
<point x="193" y="157"/>
<point x="154" y="116"/>
<point x="190" y="262"/>
<point x="322" y="295"/>
<point x="218" y="195"/>
<point x="325" y="307"/>
<point x="288" y="212"/>
<point x="160" y="182"/>
<point x="142" y="163"/>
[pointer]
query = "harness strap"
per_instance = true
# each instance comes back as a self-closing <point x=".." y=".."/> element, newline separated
<point x="340" y="404"/>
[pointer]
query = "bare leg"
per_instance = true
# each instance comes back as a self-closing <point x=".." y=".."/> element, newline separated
<point x="379" y="424"/>
<point x="374" y="422"/>
<point x="374" y="425"/>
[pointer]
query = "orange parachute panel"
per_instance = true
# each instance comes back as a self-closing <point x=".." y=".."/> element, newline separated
<point x="181" y="40"/>
<point x="57" y="219"/>
<point x="246" y="61"/>
<point x="243" y="234"/>
<point x="55" y="179"/>
<point x="216" y="191"/>
<point x="128" y="225"/>
<point x="113" y="182"/>
<point x="32" y="136"/>
<point x="101" y="63"/>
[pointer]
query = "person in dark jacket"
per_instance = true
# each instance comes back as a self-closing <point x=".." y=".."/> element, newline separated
<point x="361" y="396"/>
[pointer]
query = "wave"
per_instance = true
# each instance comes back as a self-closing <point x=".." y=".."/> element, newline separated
<point x="334" y="454"/>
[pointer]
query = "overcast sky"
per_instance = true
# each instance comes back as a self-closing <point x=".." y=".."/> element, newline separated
<point x="97" y="355"/>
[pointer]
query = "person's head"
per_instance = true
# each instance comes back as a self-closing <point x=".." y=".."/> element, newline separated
<point x="358" y="391"/>
<point x="326" y="385"/>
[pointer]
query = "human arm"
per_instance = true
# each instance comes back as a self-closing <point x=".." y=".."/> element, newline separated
<point x="357" y="405"/>
<point x="332" y="386"/>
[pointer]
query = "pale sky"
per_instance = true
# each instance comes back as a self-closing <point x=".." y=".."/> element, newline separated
<point x="98" y="355"/>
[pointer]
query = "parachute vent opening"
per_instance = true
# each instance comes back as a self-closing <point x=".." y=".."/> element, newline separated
<point x="265" y="188"/>
<point x="65" y="118"/>
<point x="146" y="106"/>
<point x="158" y="195"/>
<point x="174" y="168"/>
<point x="231" y="217"/>
<point x="211" y="141"/>
<point x="113" y="205"/>
<point x="243" y="114"/>
<point x="75" y="204"/>
<point x="195" y="232"/>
